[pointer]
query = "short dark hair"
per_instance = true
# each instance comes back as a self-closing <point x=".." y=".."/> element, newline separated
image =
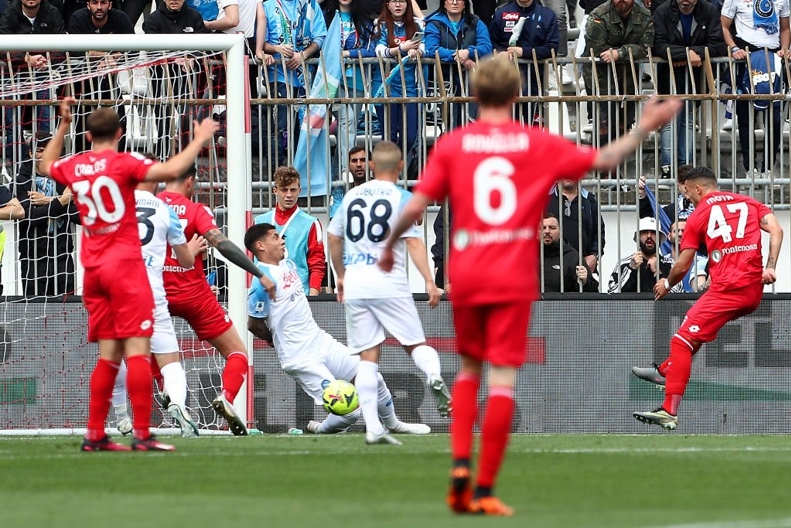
<point x="355" y="149"/>
<point x="255" y="233"/>
<point x="547" y="214"/>
<point x="103" y="124"/>
<point x="701" y="173"/>
<point x="683" y="171"/>
<point x="40" y="140"/>
<point x="189" y="173"/>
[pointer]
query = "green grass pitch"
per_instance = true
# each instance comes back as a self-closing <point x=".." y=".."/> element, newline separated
<point x="337" y="481"/>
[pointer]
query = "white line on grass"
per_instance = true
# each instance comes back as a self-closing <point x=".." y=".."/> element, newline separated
<point x="620" y="450"/>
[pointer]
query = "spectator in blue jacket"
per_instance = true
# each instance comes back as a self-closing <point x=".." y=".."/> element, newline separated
<point x="458" y="36"/>
<point x="521" y="28"/>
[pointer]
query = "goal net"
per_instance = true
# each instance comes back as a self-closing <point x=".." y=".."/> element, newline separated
<point x="158" y="86"/>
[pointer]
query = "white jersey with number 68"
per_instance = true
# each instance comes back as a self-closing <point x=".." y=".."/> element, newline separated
<point x="364" y="220"/>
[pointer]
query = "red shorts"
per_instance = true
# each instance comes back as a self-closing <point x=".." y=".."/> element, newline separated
<point x="119" y="301"/>
<point x="496" y="333"/>
<point x="199" y="307"/>
<point x="715" y="309"/>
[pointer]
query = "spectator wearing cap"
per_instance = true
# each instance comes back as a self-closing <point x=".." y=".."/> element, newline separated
<point x="46" y="233"/>
<point x="640" y="271"/>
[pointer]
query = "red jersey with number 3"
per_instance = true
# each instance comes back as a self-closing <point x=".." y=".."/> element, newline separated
<point x="103" y="184"/>
<point x="498" y="178"/>
<point x="730" y="226"/>
<point x="195" y="218"/>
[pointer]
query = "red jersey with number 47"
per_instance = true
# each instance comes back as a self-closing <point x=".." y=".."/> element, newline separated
<point x="497" y="179"/>
<point x="195" y="218"/>
<point x="730" y="226"/>
<point x="103" y="184"/>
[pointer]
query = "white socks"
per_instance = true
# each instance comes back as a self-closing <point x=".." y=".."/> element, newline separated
<point x="427" y="360"/>
<point x="338" y="424"/>
<point x="385" y="404"/>
<point x="175" y="382"/>
<point x="119" y="389"/>
<point x="367" y="382"/>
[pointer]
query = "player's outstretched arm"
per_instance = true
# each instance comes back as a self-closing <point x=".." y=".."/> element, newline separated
<point x="655" y="114"/>
<point x="257" y="327"/>
<point x="235" y="255"/>
<point x="677" y="272"/>
<point x="770" y="225"/>
<point x="412" y="211"/>
<point x="53" y="149"/>
<point x="417" y="250"/>
<point x="178" y="164"/>
<point x="336" y="257"/>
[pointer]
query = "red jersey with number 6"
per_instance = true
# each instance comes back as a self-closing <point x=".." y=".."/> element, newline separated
<point x="104" y="184"/>
<point x="730" y="226"/>
<point x="498" y="178"/>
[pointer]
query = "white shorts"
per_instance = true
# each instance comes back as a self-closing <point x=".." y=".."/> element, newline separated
<point x="338" y="363"/>
<point x="164" y="339"/>
<point x="367" y="320"/>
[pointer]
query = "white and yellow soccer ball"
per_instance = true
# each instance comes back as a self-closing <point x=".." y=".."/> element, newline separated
<point x="340" y="397"/>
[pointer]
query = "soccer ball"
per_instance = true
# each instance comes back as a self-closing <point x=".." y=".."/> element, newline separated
<point x="340" y="397"/>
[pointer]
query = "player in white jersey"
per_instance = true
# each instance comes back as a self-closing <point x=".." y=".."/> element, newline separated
<point x="376" y="300"/>
<point x="308" y="354"/>
<point x="159" y="227"/>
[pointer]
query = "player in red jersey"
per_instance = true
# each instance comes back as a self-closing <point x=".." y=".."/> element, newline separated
<point x="497" y="175"/>
<point x="116" y="294"/>
<point x="190" y="296"/>
<point x="730" y="225"/>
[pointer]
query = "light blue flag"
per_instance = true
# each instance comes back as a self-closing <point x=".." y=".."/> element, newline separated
<point x="313" y="136"/>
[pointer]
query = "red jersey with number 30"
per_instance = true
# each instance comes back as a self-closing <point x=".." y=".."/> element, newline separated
<point x="103" y="184"/>
<point x="498" y="178"/>
<point x="195" y="218"/>
<point x="730" y="226"/>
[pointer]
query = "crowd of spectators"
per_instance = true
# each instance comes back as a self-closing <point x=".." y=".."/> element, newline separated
<point x="283" y="35"/>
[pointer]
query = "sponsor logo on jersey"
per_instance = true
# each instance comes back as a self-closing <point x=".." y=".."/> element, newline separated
<point x="462" y="239"/>
<point x="694" y="329"/>
<point x="510" y="16"/>
<point x="145" y="325"/>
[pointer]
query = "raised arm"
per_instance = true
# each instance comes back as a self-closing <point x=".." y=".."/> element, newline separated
<point x="53" y="149"/>
<point x="655" y="114"/>
<point x="178" y="164"/>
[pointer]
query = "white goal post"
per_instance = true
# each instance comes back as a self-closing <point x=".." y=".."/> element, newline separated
<point x="239" y="200"/>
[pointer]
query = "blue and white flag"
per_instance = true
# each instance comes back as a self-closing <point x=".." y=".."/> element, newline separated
<point x="313" y="143"/>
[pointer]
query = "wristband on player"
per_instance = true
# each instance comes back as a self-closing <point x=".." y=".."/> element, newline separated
<point x="667" y="285"/>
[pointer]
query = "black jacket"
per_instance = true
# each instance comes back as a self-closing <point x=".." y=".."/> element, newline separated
<point x="14" y="22"/>
<point x="624" y="279"/>
<point x="552" y="270"/>
<point x="47" y="230"/>
<point x="591" y="243"/>
<point x="164" y="21"/>
<point x="118" y="23"/>
<point x="706" y="32"/>
<point x="48" y="21"/>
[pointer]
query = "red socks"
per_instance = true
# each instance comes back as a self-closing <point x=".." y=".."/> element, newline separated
<point x="233" y="375"/>
<point x="677" y="369"/>
<point x="101" y="392"/>
<point x="157" y="374"/>
<point x="465" y="412"/>
<point x="494" y="434"/>
<point x="139" y="384"/>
